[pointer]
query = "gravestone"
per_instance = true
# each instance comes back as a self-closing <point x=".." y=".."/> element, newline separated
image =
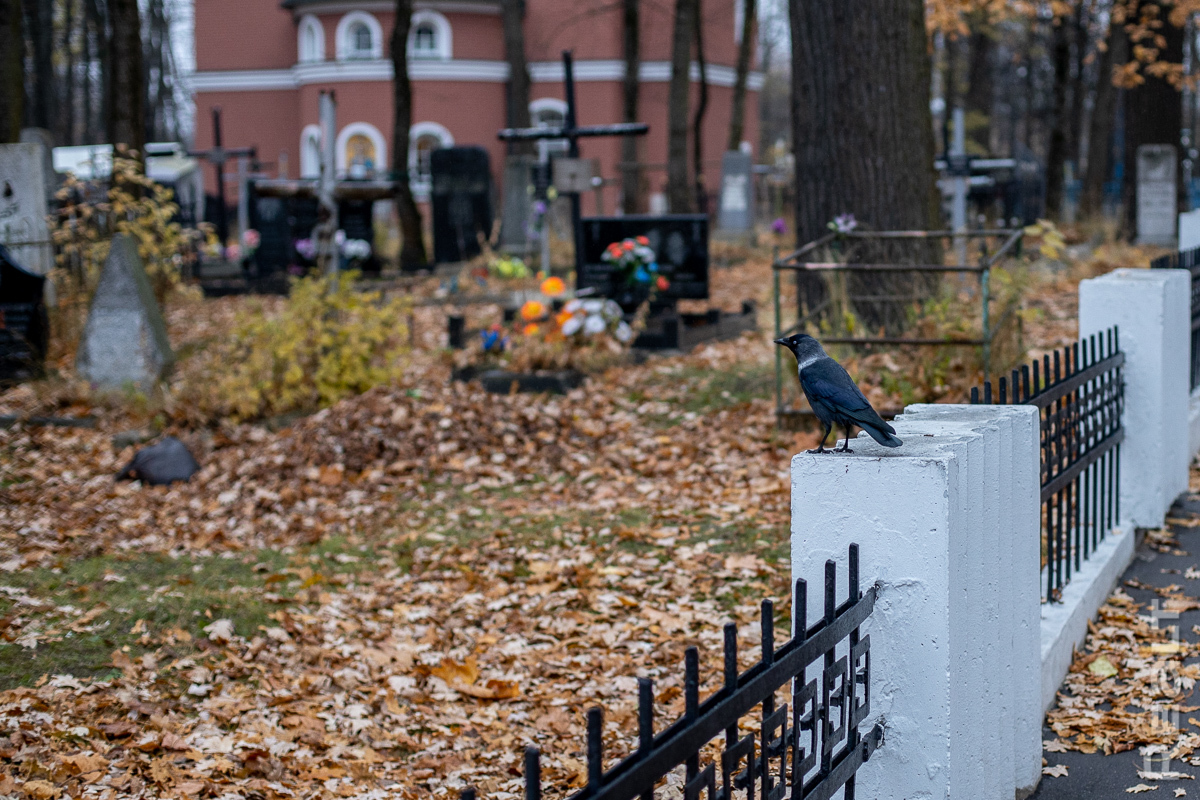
<point x="461" y="201"/>
<point x="736" y="212"/>
<point x="44" y="138"/>
<point x="23" y="207"/>
<point x="280" y="222"/>
<point x="1156" y="194"/>
<point x="679" y="241"/>
<point x="1189" y="230"/>
<point x="24" y="327"/>
<point x="516" y="206"/>
<point x="125" y="339"/>
<point x="356" y="217"/>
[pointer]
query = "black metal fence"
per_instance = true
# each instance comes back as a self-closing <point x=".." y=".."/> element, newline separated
<point x="1189" y="260"/>
<point x="805" y="752"/>
<point x="1080" y="394"/>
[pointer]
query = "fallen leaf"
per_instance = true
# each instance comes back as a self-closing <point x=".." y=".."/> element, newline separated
<point x="1103" y="667"/>
<point x="1180" y="792"/>
<point x="1141" y="787"/>
<point x="1057" y="771"/>
<point x="219" y="631"/>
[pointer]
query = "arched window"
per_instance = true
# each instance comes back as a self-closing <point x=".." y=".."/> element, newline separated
<point x="548" y="112"/>
<point x="424" y="138"/>
<point x="429" y="36"/>
<point x="359" y="36"/>
<point x="361" y="152"/>
<point x="310" y="152"/>
<point x="311" y="43"/>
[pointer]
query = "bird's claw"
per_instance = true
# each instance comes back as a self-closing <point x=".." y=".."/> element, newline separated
<point x="819" y="450"/>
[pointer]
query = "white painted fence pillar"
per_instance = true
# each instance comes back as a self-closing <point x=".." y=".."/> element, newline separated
<point x="1152" y="311"/>
<point x="947" y="525"/>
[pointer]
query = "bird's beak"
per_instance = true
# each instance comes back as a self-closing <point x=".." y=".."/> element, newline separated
<point x="783" y="342"/>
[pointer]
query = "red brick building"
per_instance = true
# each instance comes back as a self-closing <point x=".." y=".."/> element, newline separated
<point x="265" y="63"/>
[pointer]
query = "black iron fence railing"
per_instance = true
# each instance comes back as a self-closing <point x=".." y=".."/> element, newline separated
<point x="1189" y="260"/>
<point x="805" y="752"/>
<point x="1080" y="393"/>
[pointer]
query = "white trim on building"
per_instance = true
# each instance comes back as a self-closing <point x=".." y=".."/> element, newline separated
<point x="445" y="6"/>
<point x="418" y="181"/>
<point x="453" y="70"/>
<point x="362" y="129"/>
<point x="436" y="38"/>
<point x="310" y="40"/>
<point x="349" y="28"/>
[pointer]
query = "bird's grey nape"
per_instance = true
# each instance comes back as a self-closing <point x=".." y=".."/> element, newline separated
<point x="809" y="350"/>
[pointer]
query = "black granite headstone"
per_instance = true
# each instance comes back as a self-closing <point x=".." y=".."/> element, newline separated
<point x="280" y="222"/>
<point x="461" y="199"/>
<point x="680" y="241"/>
<point x="356" y="217"/>
<point x="24" y="328"/>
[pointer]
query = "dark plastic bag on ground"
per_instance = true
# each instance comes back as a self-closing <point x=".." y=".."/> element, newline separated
<point x="163" y="462"/>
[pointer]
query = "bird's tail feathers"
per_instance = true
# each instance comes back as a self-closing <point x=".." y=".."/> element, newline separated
<point x="884" y="437"/>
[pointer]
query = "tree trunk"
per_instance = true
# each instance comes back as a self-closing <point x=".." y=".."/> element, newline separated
<point x="412" y="246"/>
<point x="1104" y="113"/>
<point x="39" y="16"/>
<point x="737" y="121"/>
<point x="93" y="110"/>
<point x="698" y="118"/>
<point x="1153" y="109"/>
<point x="516" y="92"/>
<point x="67" y="136"/>
<point x="981" y="85"/>
<point x="631" y="184"/>
<point x="862" y="131"/>
<point x="12" y="71"/>
<point x="1059" y="139"/>
<point x="126" y="113"/>
<point x="679" y="191"/>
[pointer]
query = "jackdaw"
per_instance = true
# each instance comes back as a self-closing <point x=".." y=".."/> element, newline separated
<point x="833" y="395"/>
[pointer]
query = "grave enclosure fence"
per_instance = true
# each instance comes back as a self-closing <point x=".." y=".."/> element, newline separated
<point x="806" y="751"/>
<point x="1080" y="395"/>
<point x="1189" y="260"/>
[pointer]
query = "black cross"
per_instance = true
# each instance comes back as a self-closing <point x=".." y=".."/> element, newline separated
<point x="573" y="133"/>
<point x="217" y="156"/>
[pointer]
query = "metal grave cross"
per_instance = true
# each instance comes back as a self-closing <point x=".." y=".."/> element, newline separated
<point x="573" y="132"/>
<point x="217" y="155"/>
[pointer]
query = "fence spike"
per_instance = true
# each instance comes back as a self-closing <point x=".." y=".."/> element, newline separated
<point x="1057" y="367"/>
<point x="691" y="682"/>
<point x="645" y="714"/>
<point x="768" y="631"/>
<point x="1037" y="379"/>
<point x="987" y="392"/>
<point x="1003" y="391"/>
<point x="830" y="591"/>
<point x="595" y="747"/>
<point x="1025" y="381"/>
<point x="533" y="773"/>
<point x="800" y="610"/>
<point x="1016" y="386"/>
<point x="1115" y="341"/>
<point x="1074" y="357"/>
<point x="855" y="592"/>
<point x="974" y="395"/>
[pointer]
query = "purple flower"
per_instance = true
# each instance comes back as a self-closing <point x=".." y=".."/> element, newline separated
<point x="843" y="223"/>
<point x="306" y="248"/>
<point x="540" y="207"/>
<point x="779" y="226"/>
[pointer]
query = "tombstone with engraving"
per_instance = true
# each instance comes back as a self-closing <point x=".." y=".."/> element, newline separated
<point x="736" y="211"/>
<point x="23" y="207"/>
<point x="517" y="204"/>
<point x="125" y="339"/>
<point x="280" y="222"/>
<point x="356" y="218"/>
<point x="1157" y="187"/>
<point x="461" y="201"/>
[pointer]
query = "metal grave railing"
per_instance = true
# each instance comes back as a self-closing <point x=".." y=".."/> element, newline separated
<point x="806" y="752"/>
<point x="1189" y="260"/>
<point x="1080" y="394"/>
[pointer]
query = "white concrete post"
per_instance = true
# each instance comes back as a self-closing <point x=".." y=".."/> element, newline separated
<point x="938" y="524"/>
<point x="1152" y="311"/>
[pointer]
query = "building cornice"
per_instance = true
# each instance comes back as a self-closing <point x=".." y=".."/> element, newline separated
<point x="466" y="70"/>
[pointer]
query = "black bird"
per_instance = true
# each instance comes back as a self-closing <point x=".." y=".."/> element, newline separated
<point x="833" y="395"/>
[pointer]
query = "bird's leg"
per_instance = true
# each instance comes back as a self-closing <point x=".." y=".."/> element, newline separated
<point x="845" y="448"/>
<point x="821" y="444"/>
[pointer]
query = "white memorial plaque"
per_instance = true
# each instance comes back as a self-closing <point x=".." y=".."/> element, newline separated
<point x="1156" y="194"/>
<point x="23" y="228"/>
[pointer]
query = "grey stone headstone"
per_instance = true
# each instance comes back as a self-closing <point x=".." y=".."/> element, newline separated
<point x="736" y="210"/>
<point x="516" y="204"/>
<point x="46" y="140"/>
<point x="125" y="340"/>
<point x="23" y="208"/>
<point x="1157" y="171"/>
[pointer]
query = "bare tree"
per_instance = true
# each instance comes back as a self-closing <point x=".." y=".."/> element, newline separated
<point x="96" y="38"/>
<point x="1057" y="156"/>
<point x="39" y="21"/>
<point x="126" y="113"/>
<point x="12" y="71"/>
<point x="679" y="192"/>
<point x="412" y="245"/>
<point x="517" y="90"/>
<point x="737" y="123"/>
<point x="631" y="189"/>
<point x="698" y="118"/>
<point x="1100" y="129"/>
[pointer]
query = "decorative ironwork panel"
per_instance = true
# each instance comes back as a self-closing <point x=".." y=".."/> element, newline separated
<point x="806" y="751"/>
<point x="1080" y="395"/>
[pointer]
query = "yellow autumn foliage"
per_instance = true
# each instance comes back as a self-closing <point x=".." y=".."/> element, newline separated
<point x="327" y="342"/>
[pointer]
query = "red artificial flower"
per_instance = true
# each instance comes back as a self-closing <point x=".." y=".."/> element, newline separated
<point x="662" y="283"/>
<point x="642" y="240"/>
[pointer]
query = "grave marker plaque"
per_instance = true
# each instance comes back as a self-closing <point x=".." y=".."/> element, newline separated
<point x="736" y="212"/>
<point x="461" y="201"/>
<point x="680" y="241"/>
<point x="23" y="187"/>
<point x="1156" y="194"/>
<point x="280" y="222"/>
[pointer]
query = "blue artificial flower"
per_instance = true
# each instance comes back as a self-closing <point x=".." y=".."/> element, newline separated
<point x="641" y="276"/>
<point x="653" y="266"/>
<point x="493" y="340"/>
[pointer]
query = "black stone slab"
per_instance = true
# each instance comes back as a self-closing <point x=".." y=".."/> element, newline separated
<point x="461" y="202"/>
<point x="680" y="241"/>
